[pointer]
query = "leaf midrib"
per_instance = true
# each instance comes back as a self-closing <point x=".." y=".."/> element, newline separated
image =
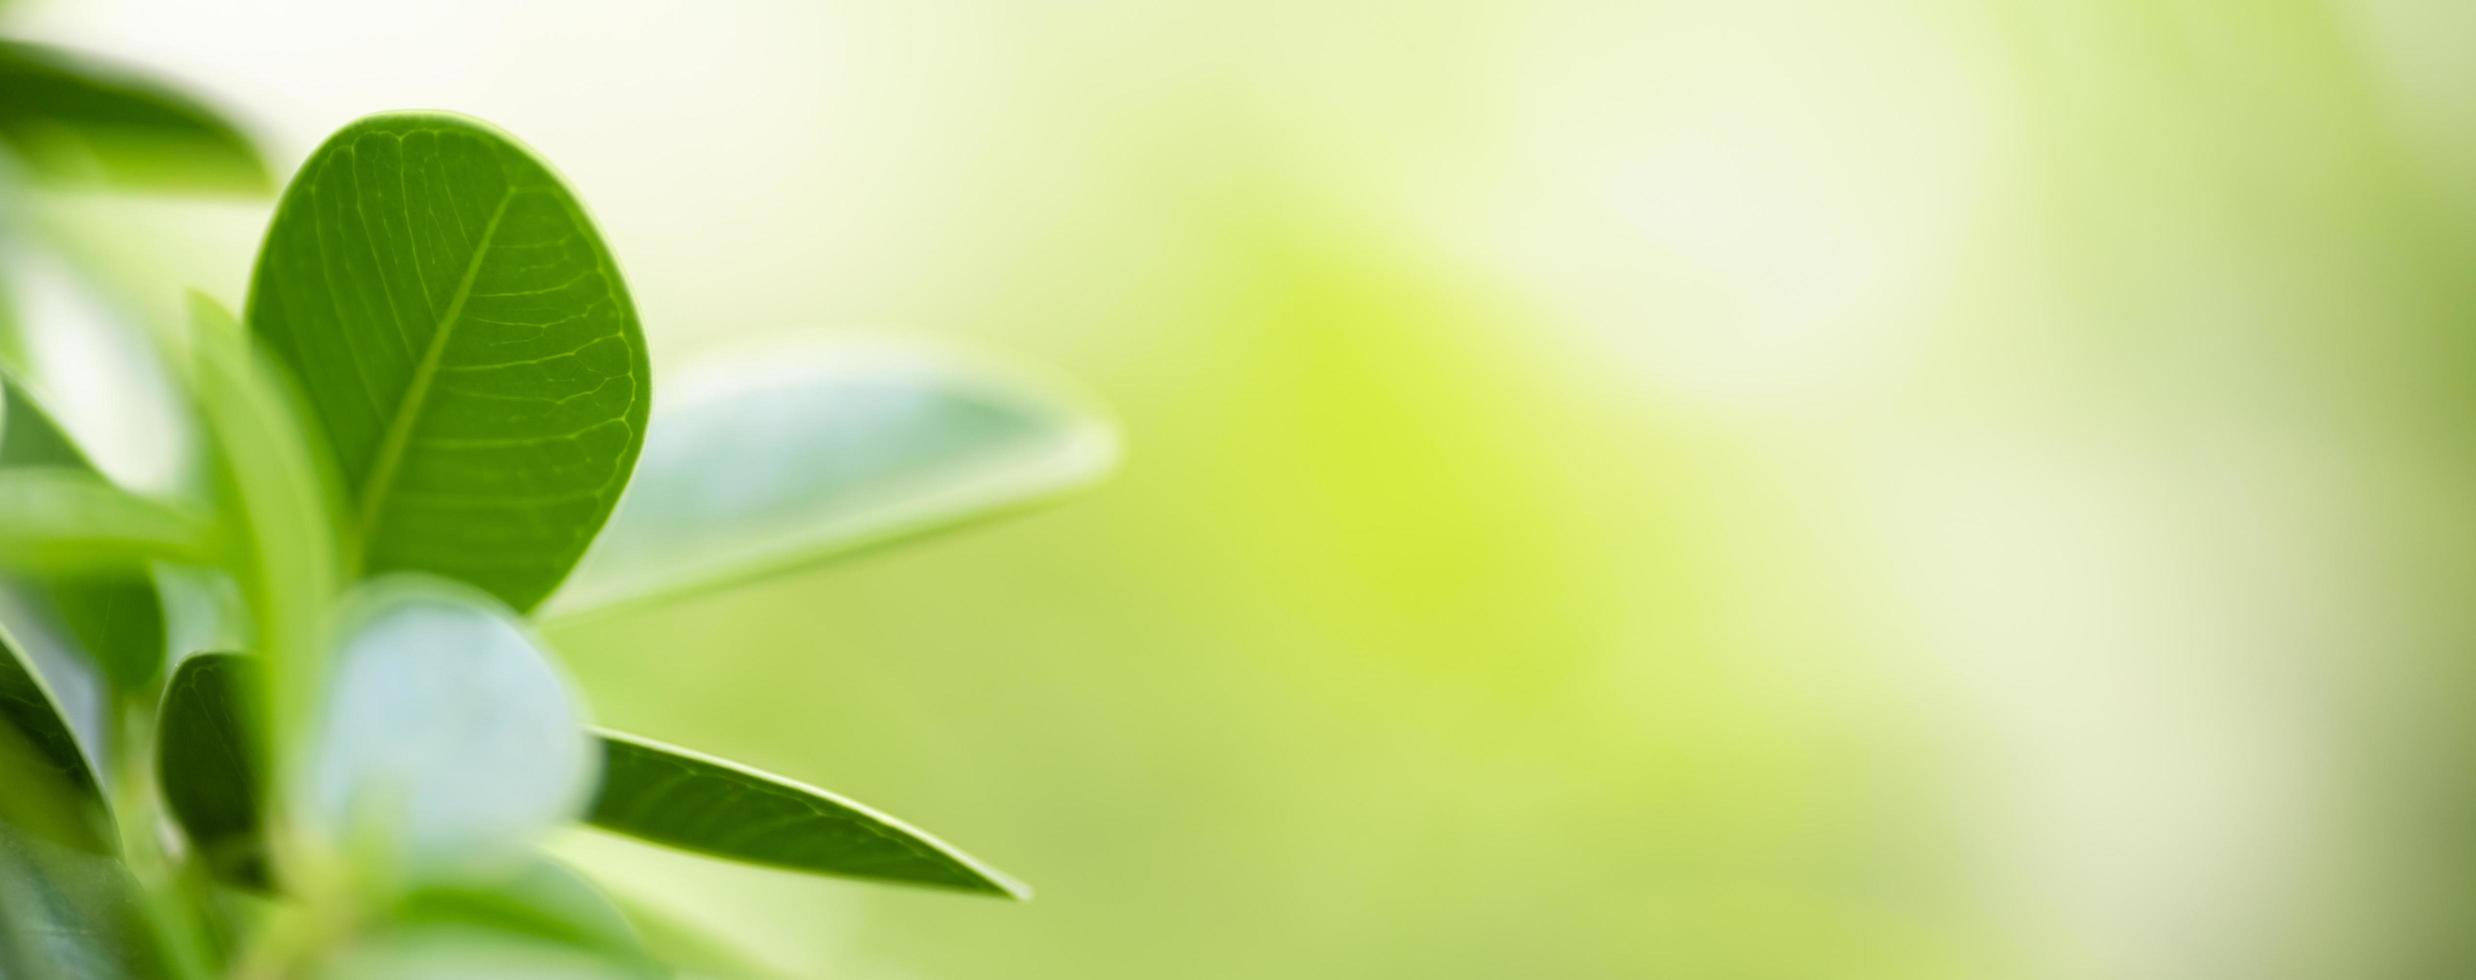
<point x="391" y="448"/>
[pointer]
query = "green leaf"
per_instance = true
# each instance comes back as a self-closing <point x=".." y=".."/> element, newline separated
<point x="67" y="908"/>
<point x="800" y="453"/>
<point x="71" y="118"/>
<point x="544" y="900"/>
<point x="278" y="496"/>
<point x="66" y="914"/>
<point x="208" y="762"/>
<point x="464" y="337"/>
<point x="471" y="953"/>
<point x="449" y="742"/>
<point x="64" y="521"/>
<point x="47" y="785"/>
<point x="698" y="803"/>
<point x="117" y="619"/>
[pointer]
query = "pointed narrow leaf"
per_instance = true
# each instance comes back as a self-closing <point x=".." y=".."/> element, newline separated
<point x="450" y="741"/>
<point x="71" y="118"/>
<point x="59" y="520"/>
<point x="465" y="340"/>
<point x="208" y="762"/>
<point x="673" y="796"/>
<point x="799" y="453"/>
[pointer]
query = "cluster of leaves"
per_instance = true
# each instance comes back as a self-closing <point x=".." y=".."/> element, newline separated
<point x="292" y="717"/>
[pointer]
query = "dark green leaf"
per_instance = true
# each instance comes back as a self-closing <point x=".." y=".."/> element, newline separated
<point x="116" y="618"/>
<point x="698" y="803"/>
<point x="71" y="118"/>
<point x="64" y="521"/>
<point x="209" y="760"/>
<point x="801" y="453"/>
<point x="450" y="741"/>
<point x="48" y="786"/>
<point x="464" y="337"/>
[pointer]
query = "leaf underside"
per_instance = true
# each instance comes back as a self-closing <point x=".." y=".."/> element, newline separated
<point x="447" y="740"/>
<point x="805" y="452"/>
<point x="465" y="340"/>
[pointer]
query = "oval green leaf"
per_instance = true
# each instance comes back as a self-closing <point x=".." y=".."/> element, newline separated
<point x="698" y="803"/>
<point x="208" y="763"/>
<point x="449" y="741"/>
<point x="799" y="453"/>
<point x="465" y="340"/>
<point x="72" y="119"/>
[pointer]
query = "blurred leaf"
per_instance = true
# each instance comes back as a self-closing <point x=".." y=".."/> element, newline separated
<point x="691" y="948"/>
<point x="47" y="756"/>
<point x="698" y="803"/>
<point x="208" y="761"/>
<point x="29" y="437"/>
<point x="118" y="622"/>
<point x="68" y="914"/>
<point x="60" y="520"/>
<point x="472" y="953"/>
<point x="464" y="337"/>
<point x="71" y="118"/>
<point x="543" y="900"/>
<point x="449" y="741"/>
<point x="278" y="498"/>
<point x="117" y="619"/>
<point x="67" y="909"/>
<point x="800" y="454"/>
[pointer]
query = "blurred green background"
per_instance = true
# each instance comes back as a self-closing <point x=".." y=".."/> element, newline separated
<point x="1790" y="488"/>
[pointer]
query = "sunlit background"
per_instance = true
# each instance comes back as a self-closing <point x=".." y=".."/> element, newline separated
<point x="1624" y="488"/>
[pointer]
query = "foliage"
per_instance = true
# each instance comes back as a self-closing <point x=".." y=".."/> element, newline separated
<point x="415" y="442"/>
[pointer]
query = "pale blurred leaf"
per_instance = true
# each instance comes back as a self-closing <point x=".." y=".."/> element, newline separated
<point x="465" y="952"/>
<point x="279" y="502"/>
<point x="543" y="900"/>
<point x="801" y="453"/>
<point x="449" y="740"/>
<point x="64" y="521"/>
